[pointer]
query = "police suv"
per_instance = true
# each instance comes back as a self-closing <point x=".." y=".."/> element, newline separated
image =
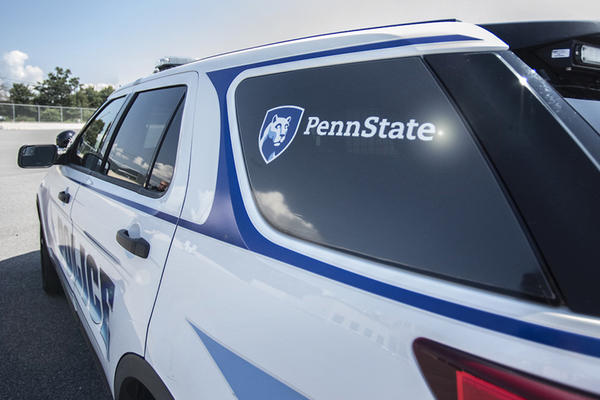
<point x="404" y="212"/>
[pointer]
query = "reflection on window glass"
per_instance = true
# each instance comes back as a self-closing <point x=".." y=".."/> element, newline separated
<point x="88" y="152"/>
<point x="162" y="172"/>
<point x="140" y="133"/>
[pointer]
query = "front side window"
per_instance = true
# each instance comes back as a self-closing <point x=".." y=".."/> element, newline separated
<point x="88" y="153"/>
<point x="139" y="136"/>
<point x="371" y="158"/>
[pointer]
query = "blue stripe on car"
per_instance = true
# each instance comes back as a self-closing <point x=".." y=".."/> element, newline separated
<point x="245" y="379"/>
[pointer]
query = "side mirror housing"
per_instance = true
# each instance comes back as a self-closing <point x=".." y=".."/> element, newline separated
<point x="63" y="140"/>
<point x="38" y="156"/>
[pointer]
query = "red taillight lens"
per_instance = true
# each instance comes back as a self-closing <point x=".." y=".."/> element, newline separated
<point x="455" y="375"/>
<point x="469" y="387"/>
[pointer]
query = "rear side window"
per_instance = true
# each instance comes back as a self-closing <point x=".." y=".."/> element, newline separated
<point x="88" y="153"/>
<point x="371" y="158"/>
<point x="138" y="138"/>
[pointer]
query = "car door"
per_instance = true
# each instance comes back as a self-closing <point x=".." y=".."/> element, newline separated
<point x="60" y="186"/>
<point x="126" y="215"/>
<point x="56" y="199"/>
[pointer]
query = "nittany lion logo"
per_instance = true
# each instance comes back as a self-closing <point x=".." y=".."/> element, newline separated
<point x="278" y="130"/>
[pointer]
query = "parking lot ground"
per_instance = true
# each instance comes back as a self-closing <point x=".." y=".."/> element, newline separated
<point x="43" y="353"/>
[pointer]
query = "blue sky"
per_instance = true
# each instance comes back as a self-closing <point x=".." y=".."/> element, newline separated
<point x="118" y="41"/>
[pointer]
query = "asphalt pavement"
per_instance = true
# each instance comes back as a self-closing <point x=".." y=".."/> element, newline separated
<point x="43" y="353"/>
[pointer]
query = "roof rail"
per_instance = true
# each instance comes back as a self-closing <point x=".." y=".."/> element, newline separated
<point x="330" y="33"/>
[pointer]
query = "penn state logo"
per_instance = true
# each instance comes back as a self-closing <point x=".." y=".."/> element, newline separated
<point x="278" y="130"/>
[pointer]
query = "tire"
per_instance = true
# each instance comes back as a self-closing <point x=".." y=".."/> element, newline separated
<point x="50" y="280"/>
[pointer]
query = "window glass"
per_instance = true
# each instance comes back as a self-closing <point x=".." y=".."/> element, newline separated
<point x="371" y="158"/>
<point x="162" y="171"/>
<point x="88" y="152"/>
<point x="138" y="137"/>
<point x="547" y="156"/>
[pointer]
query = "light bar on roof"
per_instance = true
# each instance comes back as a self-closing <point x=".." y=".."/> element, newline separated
<point x="590" y="55"/>
<point x="171" y="62"/>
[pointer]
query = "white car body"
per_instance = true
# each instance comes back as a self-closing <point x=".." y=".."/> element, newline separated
<point x="220" y="316"/>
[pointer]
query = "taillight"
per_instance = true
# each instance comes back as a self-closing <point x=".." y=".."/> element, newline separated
<point x="469" y="387"/>
<point x="455" y="375"/>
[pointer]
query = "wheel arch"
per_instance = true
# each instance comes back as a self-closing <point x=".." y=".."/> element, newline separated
<point x="132" y="371"/>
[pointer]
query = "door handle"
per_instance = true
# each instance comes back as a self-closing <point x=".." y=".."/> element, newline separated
<point x="64" y="197"/>
<point x="140" y="247"/>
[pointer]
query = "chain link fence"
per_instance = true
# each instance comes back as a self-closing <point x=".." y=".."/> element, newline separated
<point x="30" y="113"/>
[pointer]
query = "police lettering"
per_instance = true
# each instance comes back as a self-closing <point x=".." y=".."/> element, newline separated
<point x="94" y="287"/>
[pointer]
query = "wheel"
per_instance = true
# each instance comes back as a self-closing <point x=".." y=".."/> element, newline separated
<point x="133" y="389"/>
<point x="50" y="280"/>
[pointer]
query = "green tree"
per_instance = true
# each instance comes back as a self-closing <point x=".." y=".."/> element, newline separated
<point x="58" y="88"/>
<point x="87" y="96"/>
<point x="20" y="94"/>
<point x="103" y="95"/>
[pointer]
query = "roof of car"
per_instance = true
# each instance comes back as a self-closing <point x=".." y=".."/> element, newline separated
<point x="334" y="40"/>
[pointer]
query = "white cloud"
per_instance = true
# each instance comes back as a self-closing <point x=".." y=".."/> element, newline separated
<point x="98" y="86"/>
<point x="121" y="154"/>
<point x="163" y="172"/>
<point x="4" y="95"/>
<point x="273" y="205"/>
<point x="14" y="68"/>
<point x="140" y="161"/>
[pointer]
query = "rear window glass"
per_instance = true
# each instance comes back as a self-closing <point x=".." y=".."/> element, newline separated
<point x="371" y="158"/>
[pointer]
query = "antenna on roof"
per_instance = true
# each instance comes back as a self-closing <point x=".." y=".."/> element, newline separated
<point x="171" y="62"/>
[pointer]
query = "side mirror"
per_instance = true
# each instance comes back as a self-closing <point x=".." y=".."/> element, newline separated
<point x="63" y="140"/>
<point x="38" y="156"/>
